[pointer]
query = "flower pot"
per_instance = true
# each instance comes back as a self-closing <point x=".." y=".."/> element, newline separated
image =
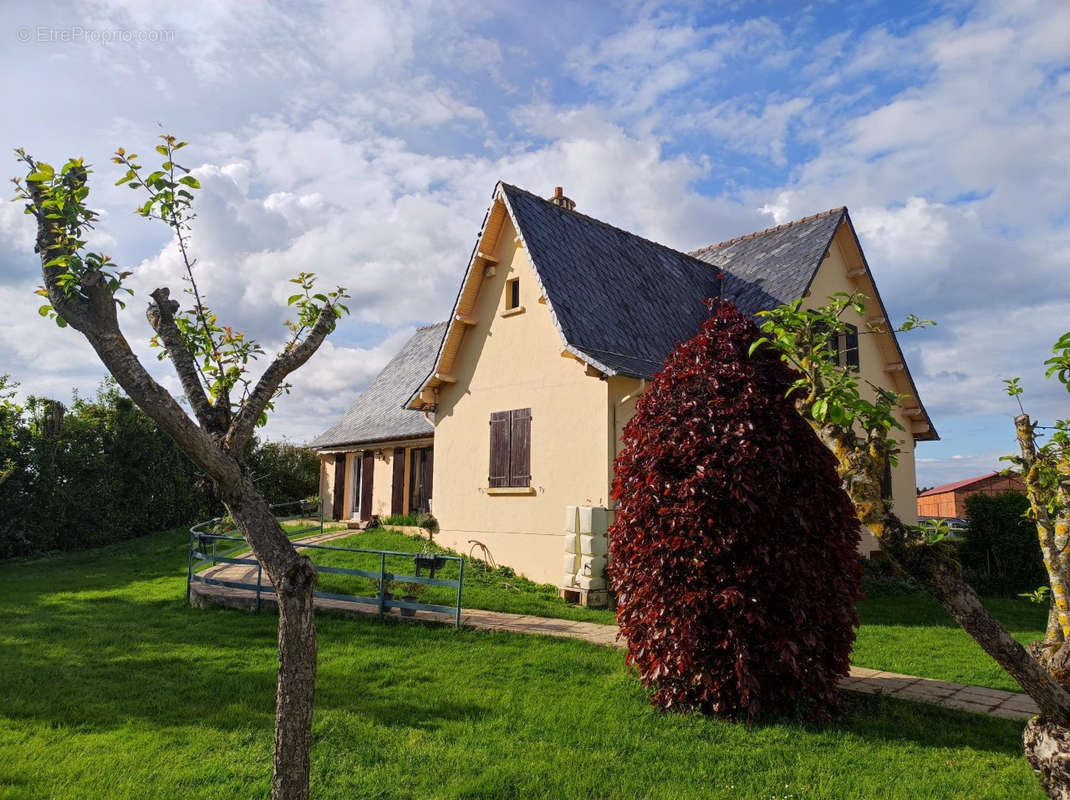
<point x="409" y="612"/>
<point x="429" y="561"/>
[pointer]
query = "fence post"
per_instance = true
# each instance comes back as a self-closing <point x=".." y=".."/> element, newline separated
<point x="460" y="585"/>
<point x="259" y="575"/>
<point x="189" y="569"/>
<point x="382" y="582"/>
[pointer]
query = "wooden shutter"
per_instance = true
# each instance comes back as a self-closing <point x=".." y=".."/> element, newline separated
<point x="520" y="447"/>
<point x="429" y="465"/>
<point x="886" y="481"/>
<point x="850" y="347"/>
<point x="397" y="485"/>
<point x="367" y="472"/>
<point x="499" y="449"/>
<point x="339" y="486"/>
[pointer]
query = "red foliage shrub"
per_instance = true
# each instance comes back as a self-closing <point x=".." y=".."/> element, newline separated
<point x="734" y="549"/>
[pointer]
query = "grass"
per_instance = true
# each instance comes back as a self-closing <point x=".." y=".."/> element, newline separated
<point x="914" y="635"/>
<point x="112" y="687"/>
<point x="911" y="634"/>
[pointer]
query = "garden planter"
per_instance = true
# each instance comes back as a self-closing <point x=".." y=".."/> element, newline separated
<point x="429" y="561"/>
<point x="409" y="612"/>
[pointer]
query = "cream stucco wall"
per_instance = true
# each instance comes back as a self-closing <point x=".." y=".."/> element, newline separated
<point x="875" y="353"/>
<point x="504" y="363"/>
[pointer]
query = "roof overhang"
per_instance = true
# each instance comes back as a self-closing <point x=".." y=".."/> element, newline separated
<point x="921" y="425"/>
<point x="365" y="444"/>
<point x="461" y="319"/>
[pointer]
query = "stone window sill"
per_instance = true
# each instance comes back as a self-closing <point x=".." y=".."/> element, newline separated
<point x="511" y="490"/>
<point x="512" y="312"/>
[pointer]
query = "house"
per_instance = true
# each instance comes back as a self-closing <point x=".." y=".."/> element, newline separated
<point x="949" y="501"/>
<point x="559" y="322"/>
<point x="378" y="459"/>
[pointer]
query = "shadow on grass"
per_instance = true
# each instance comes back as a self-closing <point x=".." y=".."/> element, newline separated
<point x="99" y="639"/>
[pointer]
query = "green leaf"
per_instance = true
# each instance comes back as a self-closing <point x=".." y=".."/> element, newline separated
<point x="190" y="181"/>
<point x="43" y="310"/>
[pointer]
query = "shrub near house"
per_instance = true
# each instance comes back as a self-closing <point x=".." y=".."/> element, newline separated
<point x="734" y="550"/>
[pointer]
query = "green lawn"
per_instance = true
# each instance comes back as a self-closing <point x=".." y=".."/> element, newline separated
<point x="910" y="634"/>
<point x="914" y="635"/>
<point x="113" y="688"/>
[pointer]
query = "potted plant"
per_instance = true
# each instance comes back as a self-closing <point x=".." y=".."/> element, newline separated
<point x="410" y="593"/>
<point x="429" y="524"/>
<point x="429" y="560"/>
<point x="385" y="590"/>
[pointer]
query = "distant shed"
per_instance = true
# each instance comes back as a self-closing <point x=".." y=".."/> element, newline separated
<point x="949" y="500"/>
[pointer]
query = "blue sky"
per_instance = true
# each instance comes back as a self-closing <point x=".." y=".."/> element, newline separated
<point x="361" y="141"/>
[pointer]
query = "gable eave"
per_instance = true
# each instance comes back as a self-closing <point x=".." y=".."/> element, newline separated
<point x="931" y="434"/>
<point x="456" y="328"/>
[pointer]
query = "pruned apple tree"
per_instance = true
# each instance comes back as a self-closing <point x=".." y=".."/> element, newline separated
<point x="855" y="421"/>
<point x="214" y="363"/>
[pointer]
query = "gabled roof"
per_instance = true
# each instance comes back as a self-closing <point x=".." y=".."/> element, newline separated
<point x="625" y="302"/>
<point x="378" y="414"/>
<point x="780" y="261"/>
<point x="622" y="303"/>
<point x="964" y="484"/>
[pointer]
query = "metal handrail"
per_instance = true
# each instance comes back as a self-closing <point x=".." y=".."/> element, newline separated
<point x="199" y="538"/>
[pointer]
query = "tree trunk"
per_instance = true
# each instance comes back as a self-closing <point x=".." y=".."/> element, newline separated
<point x="296" y="688"/>
<point x="1047" y="749"/>
<point x="936" y="570"/>
<point x="294" y="578"/>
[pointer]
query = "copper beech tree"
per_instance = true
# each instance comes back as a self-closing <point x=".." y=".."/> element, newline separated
<point x="735" y="549"/>
<point x="85" y="290"/>
<point x="856" y="422"/>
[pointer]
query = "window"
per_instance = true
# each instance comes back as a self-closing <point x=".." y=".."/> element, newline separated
<point x="512" y="294"/>
<point x="845" y="347"/>
<point x="510" y="449"/>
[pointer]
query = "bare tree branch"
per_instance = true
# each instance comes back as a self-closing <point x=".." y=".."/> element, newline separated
<point x="161" y="316"/>
<point x="245" y="422"/>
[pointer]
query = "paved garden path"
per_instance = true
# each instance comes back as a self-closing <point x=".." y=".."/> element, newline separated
<point x="996" y="702"/>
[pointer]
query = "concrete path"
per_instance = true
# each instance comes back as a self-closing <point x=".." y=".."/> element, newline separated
<point x="999" y="703"/>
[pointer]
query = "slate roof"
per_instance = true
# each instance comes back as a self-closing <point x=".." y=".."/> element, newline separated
<point x="625" y="302"/>
<point x="378" y="414"/>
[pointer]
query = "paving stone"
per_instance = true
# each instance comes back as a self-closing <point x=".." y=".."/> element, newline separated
<point x="890" y="685"/>
<point x="965" y="705"/>
<point x="863" y="672"/>
<point x="983" y="693"/>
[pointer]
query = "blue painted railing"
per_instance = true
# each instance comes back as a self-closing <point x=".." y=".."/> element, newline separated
<point x="206" y="548"/>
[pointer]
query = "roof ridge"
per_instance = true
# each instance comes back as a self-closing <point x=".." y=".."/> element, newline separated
<point x="432" y="325"/>
<point x="764" y="231"/>
<point x="605" y="224"/>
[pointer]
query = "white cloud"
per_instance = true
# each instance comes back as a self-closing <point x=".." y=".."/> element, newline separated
<point x="362" y="143"/>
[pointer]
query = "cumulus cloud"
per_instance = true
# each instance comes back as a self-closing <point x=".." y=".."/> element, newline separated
<point x="362" y="143"/>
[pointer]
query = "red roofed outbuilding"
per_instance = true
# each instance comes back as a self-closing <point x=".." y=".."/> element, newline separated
<point x="949" y="500"/>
